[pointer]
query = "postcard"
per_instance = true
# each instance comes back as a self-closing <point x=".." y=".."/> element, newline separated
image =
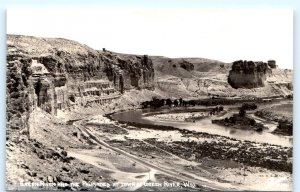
<point x="149" y="99"/>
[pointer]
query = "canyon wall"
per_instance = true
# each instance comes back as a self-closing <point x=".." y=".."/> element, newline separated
<point x="58" y="74"/>
<point x="128" y="71"/>
<point x="54" y="74"/>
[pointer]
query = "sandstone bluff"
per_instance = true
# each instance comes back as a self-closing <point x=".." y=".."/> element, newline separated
<point x="58" y="73"/>
<point x="249" y="74"/>
<point x="55" y="74"/>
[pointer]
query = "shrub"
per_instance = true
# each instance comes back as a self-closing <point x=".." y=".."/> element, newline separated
<point x="249" y="106"/>
<point x="242" y="113"/>
<point x="252" y="122"/>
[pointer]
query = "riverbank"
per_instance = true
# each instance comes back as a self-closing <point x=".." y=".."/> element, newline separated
<point x="165" y="148"/>
<point x="282" y="114"/>
<point x="246" y="150"/>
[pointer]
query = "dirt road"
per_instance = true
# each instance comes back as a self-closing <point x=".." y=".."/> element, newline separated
<point x="201" y="181"/>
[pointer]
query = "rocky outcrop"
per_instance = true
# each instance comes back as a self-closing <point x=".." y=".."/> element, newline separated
<point x="17" y="87"/>
<point x="248" y="74"/>
<point x="187" y="65"/>
<point x="272" y="64"/>
<point x="57" y="74"/>
<point x="128" y="71"/>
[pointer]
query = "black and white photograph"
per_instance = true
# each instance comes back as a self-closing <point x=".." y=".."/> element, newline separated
<point x="149" y="99"/>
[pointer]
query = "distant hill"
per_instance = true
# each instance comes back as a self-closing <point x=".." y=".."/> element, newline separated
<point x="174" y="66"/>
<point x="200" y="77"/>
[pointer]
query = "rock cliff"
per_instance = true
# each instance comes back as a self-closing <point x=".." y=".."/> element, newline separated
<point x="52" y="74"/>
<point x="248" y="74"/>
<point x="128" y="71"/>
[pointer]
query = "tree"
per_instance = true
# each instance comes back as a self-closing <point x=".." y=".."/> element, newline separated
<point x="249" y="106"/>
<point x="169" y="102"/>
<point x="192" y="102"/>
<point x="242" y="113"/>
<point x="232" y="119"/>
<point x="221" y="108"/>
<point x="181" y="101"/>
<point x="252" y="122"/>
<point x="157" y="103"/>
<point x="176" y="103"/>
<point x="226" y="120"/>
<point x="145" y="104"/>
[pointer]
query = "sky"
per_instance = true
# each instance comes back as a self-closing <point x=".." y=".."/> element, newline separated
<point x="222" y="34"/>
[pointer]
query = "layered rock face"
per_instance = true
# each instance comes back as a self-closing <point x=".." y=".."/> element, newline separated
<point x="248" y="74"/>
<point x="58" y="74"/>
<point x="128" y="71"/>
<point x="18" y="101"/>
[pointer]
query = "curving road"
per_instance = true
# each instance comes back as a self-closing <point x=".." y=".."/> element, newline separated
<point x="201" y="181"/>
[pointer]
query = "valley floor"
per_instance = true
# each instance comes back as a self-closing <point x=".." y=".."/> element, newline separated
<point x="95" y="153"/>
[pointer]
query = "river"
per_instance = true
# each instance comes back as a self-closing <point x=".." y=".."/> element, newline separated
<point x="204" y="125"/>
